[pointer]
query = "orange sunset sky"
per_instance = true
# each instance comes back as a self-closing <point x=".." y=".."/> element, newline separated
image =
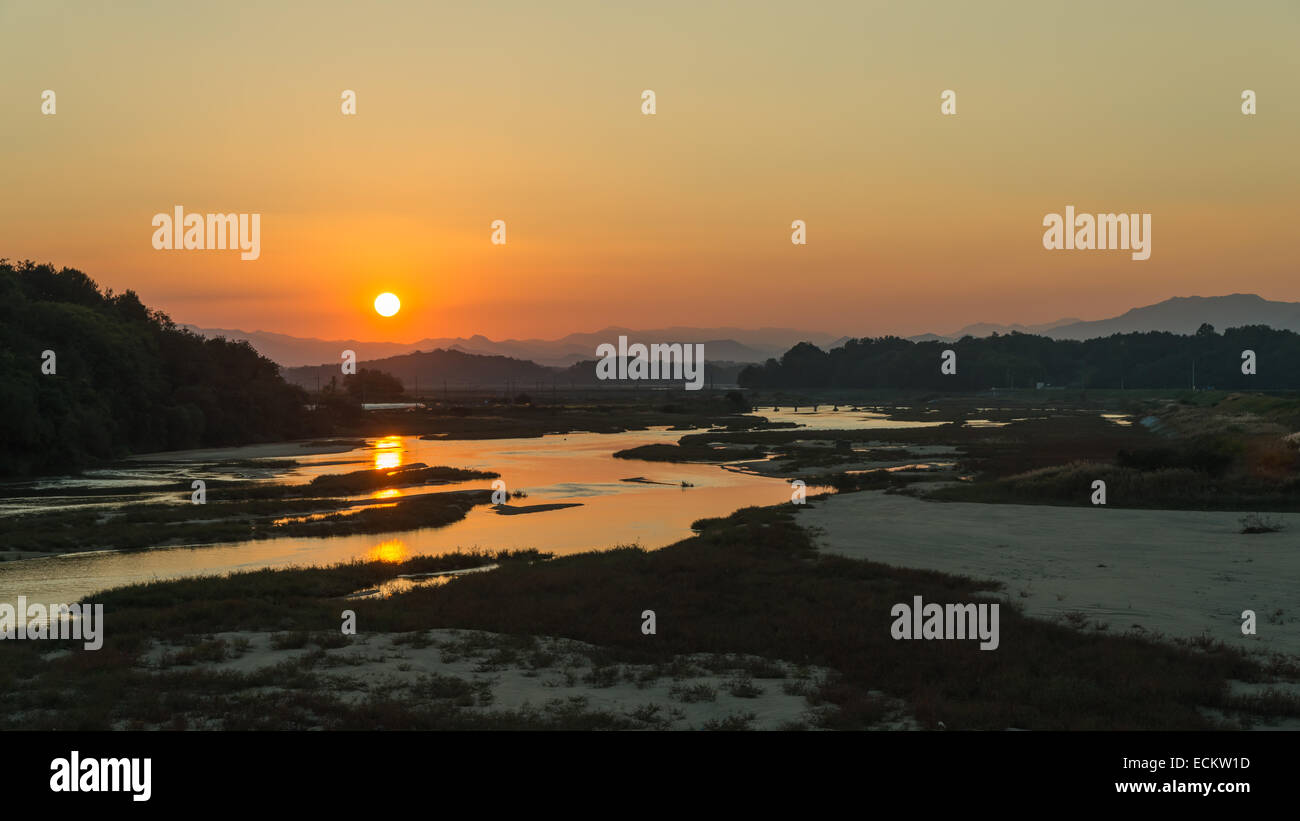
<point x="766" y="113"/>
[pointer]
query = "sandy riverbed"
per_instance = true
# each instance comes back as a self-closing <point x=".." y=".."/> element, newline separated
<point x="698" y="690"/>
<point x="1182" y="573"/>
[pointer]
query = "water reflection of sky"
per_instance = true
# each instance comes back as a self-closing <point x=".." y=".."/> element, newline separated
<point x="565" y="467"/>
<point x="826" y="418"/>
<point x="576" y="467"/>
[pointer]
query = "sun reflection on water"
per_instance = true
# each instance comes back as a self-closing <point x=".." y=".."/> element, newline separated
<point x="393" y="550"/>
<point x="388" y="453"/>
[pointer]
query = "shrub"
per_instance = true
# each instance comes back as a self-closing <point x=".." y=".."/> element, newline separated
<point x="1257" y="523"/>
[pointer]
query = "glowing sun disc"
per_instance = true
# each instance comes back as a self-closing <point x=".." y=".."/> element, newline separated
<point x="387" y="304"/>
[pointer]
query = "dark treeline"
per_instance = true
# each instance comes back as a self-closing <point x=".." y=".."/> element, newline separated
<point x="126" y="379"/>
<point x="586" y="373"/>
<point x="1136" y="360"/>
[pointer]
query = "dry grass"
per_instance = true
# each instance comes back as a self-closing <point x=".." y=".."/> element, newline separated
<point x="750" y="583"/>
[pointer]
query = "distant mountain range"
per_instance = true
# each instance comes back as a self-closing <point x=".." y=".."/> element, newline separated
<point x="988" y="329"/>
<point x="1180" y="315"/>
<point x="480" y="360"/>
<point x="720" y="344"/>
<point x="430" y="371"/>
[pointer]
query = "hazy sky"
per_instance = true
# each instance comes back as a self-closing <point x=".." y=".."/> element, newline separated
<point x="766" y="113"/>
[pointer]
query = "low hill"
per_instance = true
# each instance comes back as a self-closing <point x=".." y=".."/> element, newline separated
<point x="428" y="370"/>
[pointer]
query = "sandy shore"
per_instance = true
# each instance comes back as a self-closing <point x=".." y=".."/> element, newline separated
<point x="1182" y="573"/>
<point x="692" y="693"/>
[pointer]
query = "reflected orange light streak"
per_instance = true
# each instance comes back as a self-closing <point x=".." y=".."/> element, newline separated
<point x="393" y="550"/>
<point x="388" y="453"/>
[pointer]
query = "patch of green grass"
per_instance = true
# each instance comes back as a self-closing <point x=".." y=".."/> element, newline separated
<point x="295" y="640"/>
<point x="604" y="676"/>
<point x="202" y="652"/>
<point x="417" y="639"/>
<point x="436" y="686"/>
<point x="731" y="723"/>
<point x="693" y="693"/>
<point x="330" y="639"/>
<point x="743" y="688"/>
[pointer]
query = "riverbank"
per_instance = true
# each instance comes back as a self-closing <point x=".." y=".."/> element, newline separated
<point x="1186" y="575"/>
<point x="752" y="588"/>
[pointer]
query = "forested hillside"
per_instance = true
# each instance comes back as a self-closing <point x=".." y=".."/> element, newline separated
<point x="1137" y="360"/>
<point x="125" y="379"/>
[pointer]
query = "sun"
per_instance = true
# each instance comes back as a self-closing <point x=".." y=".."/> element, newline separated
<point x="387" y="304"/>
